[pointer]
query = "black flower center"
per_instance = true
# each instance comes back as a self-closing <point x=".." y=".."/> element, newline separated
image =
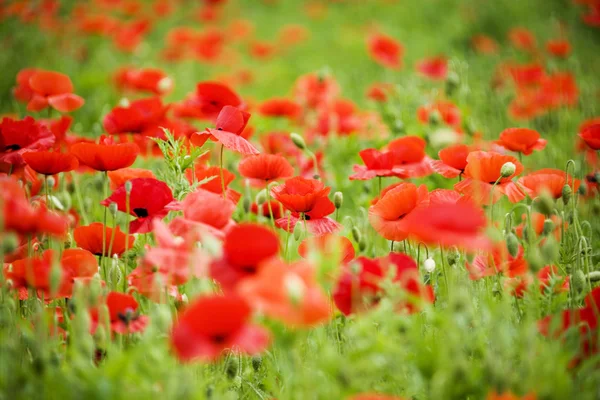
<point x="219" y="339"/>
<point x="140" y="212"/>
<point x="12" y="147"/>
<point x="249" y="269"/>
<point x="306" y="217"/>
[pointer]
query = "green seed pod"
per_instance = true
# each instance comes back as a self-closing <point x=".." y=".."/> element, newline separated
<point x="578" y="280"/>
<point x="113" y="208"/>
<point x="256" y="362"/>
<point x="453" y="257"/>
<point x="512" y="243"/>
<point x="232" y="366"/>
<point x="338" y="199"/>
<point x="128" y="186"/>
<point x="356" y="234"/>
<point x="51" y="182"/>
<point x="567" y="193"/>
<point x="298" y="141"/>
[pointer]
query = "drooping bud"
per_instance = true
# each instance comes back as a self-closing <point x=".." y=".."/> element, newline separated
<point x="128" y="186"/>
<point x="512" y="244"/>
<point x="550" y="250"/>
<point x="583" y="189"/>
<point x="247" y="204"/>
<point x="356" y="234"/>
<point x="548" y="227"/>
<point x="298" y="231"/>
<point x="261" y="197"/>
<point x="567" y="193"/>
<point x="362" y="244"/>
<point x="508" y="169"/>
<point x="535" y="260"/>
<point x="544" y="203"/>
<point x="115" y="273"/>
<point x="429" y="265"/>
<point x="578" y="280"/>
<point x="298" y="141"/>
<point x="338" y="199"/>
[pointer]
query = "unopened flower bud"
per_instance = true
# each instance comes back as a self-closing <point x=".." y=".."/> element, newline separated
<point x="512" y="244"/>
<point x="261" y="197"/>
<point x="51" y="181"/>
<point x="429" y="265"/>
<point x="453" y="257"/>
<point x="164" y="85"/>
<point x="435" y="118"/>
<point x="535" y="260"/>
<point x="550" y="250"/>
<point x="508" y="169"/>
<point x="583" y="189"/>
<point x="452" y="82"/>
<point x="298" y="230"/>
<point x="298" y="141"/>
<point x="247" y="204"/>
<point x="128" y="186"/>
<point x="544" y="203"/>
<point x="356" y="234"/>
<point x="115" y="272"/>
<point x="548" y="227"/>
<point x="113" y="208"/>
<point x="567" y="193"/>
<point x="578" y="280"/>
<point x="362" y="244"/>
<point x="338" y="199"/>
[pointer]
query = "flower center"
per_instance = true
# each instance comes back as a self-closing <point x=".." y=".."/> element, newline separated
<point x="12" y="147"/>
<point x="140" y="212"/>
<point x="219" y="339"/>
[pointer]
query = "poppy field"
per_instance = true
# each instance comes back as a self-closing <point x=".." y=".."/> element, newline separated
<point x="280" y="199"/>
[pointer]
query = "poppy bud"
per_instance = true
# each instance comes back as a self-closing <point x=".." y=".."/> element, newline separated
<point x="100" y="337"/>
<point x="295" y="288"/>
<point x="338" y="199"/>
<point x="508" y="169"/>
<point x="435" y="118"/>
<point x="124" y="102"/>
<point x="128" y="186"/>
<point x="362" y="244"/>
<point x="298" y="141"/>
<point x="548" y="227"/>
<point x="232" y="367"/>
<point x="9" y="243"/>
<point x="578" y="280"/>
<point x="452" y="82"/>
<point x="453" y="257"/>
<point x="261" y="197"/>
<point x="164" y="85"/>
<point x="256" y="362"/>
<point x="594" y="276"/>
<point x="64" y="200"/>
<point x="399" y="126"/>
<point x="298" y="230"/>
<point x="247" y="204"/>
<point x="512" y="244"/>
<point x="567" y="193"/>
<point x="582" y="189"/>
<point x="550" y="250"/>
<point x="356" y="234"/>
<point x="113" y="208"/>
<point x="429" y="265"/>
<point x="534" y="259"/>
<point x="115" y="272"/>
<point x="55" y="277"/>
<point x="544" y="203"/>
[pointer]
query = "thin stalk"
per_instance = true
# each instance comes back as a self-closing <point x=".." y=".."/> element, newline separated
<point x="221" y="171"/>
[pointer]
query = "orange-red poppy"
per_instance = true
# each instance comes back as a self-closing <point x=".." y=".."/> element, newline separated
<point x="144" y="79"/>
<point x="280" y="107"/>
<point x="452" y="162"/>
<point x="106" y="155"/>
<point x="409" y="156"/>
<point x="139" y="116"/>
<point x="521" y="140"/>
<point x="484" y="44"/>
<point x="50" y="162"/>
<point x="387" y="214"/>
<point x="591" y="136"/>
<point x="123" y="314"/>
<point x="120" y="176"/>
<point x="328" y="246"/>
<point x="268" y="208"/>
<point x="385" y="50"/>
<point x="434" y="68"/>
<point x="547" y="180"/>
<point x="558" y="47"/>
<point x="212" y="175"/>
<point x="52" y="89"/>
<point x="315" y="90"/>
<point x="208" y="101"/>
<point x="91" y="238"/>
<point x="499" y="260"/>
<point x="287" y="292"/>
<point x="300" y="194"/>
<point x="522" y="39"/>
<point x="483" y="182"/>
<point x="209" y="210"/>
<point x="18" y="137"/>
<point x="214" y="325"/>
<point x="264" y="168"/>
<point x="447" y="110"/>
<point x="377" y="164"/>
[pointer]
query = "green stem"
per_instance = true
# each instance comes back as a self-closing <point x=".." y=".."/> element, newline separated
<point x="222" y="174"/>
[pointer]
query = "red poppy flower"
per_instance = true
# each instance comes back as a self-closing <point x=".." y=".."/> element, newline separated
<point x="410" y="158"/>
<point x="557" y="90"/>
<point x="145" y="282"/>
<point x="483" y="171"/>
<point x="90" y="238"/>
<point x="537" y="224"/>
<point x="328" y="246"/>
<point x="452" y="162"/>
<point x="287" y="292"/>
<point x="299" y="194"/>
<point x="122" y="313"/>
<point x="280" y="107"/>
<point x="23" y="92"/>
<point x="521" y="140"/>
<point x="526" y="75"/>
<point x="550" y="278"/>
<point x="138" y="117"/>
<point x="210" y="210"/>
<point x="210" y="98"/>
<point x="228" y="129"/>
<point x="585" y="320"/>
<point x="499" y="260"/>
<point x="461" y="224"/>
<point x="106" y="155"/>
<point x="315" y="90"/>
<point x="20" y="217"/>
<point x="145" y="80"/>
<point x="387" y="214"/>
<point x="379" y="92"/>
<point x="272" y="207"/>
<point x="377" y="163"/>
<point x="201" y="172"/>
<point x="558" y="47"/>
<point x="149" y="199"/>
<point x="449" y="113"/>
<point x="18" y="137"/>
<point x="245" y="247"/>
<point x="264" y="168"/>
<point x="359" y="291"/>
<point x="385" y="50"/>
<point x="316" y="219"/>
<point x="49" y="162"/>
<point x="120" y="176"/>
<point x="484" y="44"/>
<point x="214" y="324"/>
<point x="434" y="68"/>
<point x="445" y="196"/>
<point x="52" y="89"/>
<point x="340" y="117"/>
<point x="522" y="38"/>
<point x="591" y="136"/>
<point x="549" y="180"/>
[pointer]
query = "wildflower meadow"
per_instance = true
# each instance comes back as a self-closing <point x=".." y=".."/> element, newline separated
<point x="288" y="199"/>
